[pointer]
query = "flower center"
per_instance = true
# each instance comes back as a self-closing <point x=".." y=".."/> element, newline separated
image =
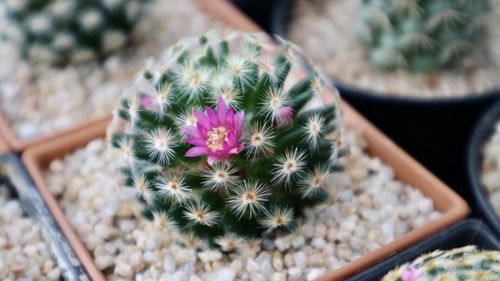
<point x="216" y="138"/>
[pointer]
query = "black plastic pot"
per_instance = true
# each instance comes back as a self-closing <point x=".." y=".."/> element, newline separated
<point x="469" y="232"/>
<point x="482" y="133"/>
<point x="13" y="173"/>
<point x="257" y="10"/>
<point x="435" y="131"/>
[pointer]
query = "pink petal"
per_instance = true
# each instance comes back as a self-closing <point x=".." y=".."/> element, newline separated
<point x="221" y="110"/>
<point x="201" y="130"/>
<point x="230" y="118"/>
<point x="148" y="103"/>
<point x="196" y="141"/>
<point x="239" y="118"/>
<point x="196" y="151"/>
<point x="410" y="274"/>
<point x="212" y="116"/>
<point x="211" y="160"/>
<point x="202" y="119"/>
<point x="231" y="139"/>
<point x="234" y="151"/>
<point x="191" y="130"/>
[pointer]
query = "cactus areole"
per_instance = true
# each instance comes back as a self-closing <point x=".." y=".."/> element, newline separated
<point x="225" y="139"/>
<point x="422" y="35"/>
<point x="64" y="31"/>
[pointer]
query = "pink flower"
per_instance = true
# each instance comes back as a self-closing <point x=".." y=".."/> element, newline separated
<point x="148" y="103"/>
<point x="410" y="274"/>
<point x="284" y="116"/>
<point x="216" y="134"/>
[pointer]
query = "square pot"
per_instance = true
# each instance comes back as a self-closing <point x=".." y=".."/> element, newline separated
<point x="469" y="232"/>
<point x="449" y="204"/>
<point x="35" y="207"/>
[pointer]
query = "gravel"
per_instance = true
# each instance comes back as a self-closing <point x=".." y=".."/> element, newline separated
<point x="368" y="208"/>
<point x="23" y="254"/>
<point x="324" y="29"/>
<point x="40" y="99"/>
<point x="490" y="175"/>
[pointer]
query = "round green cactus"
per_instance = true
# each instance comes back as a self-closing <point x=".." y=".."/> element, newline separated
<point x="421" y="35"/>
<point x="225" y="139"/>
<point x="466" y="263"/>
<point x="62" y="31"/>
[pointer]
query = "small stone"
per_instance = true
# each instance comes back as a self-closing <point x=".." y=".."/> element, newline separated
<point x="318" y="243"/>
<point x="298" y="241"/>
<point x="54" y="274"/>
<point x="209" y="256"/>
<point x="124" y="270"/>
<point x="104" y="262"/>
<point x="294" y="274"/>
<point x="277" y="261"/>
<point x="252" y="266"/>
<point x="278" y="276"/>
<point x="315" y="273"/>
<point x="300" y="260"/>
<point x="282" y="243"/>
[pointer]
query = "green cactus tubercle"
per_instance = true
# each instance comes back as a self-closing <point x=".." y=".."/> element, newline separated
<point x="63" y="31"/>
<point x="465" y="263"/>
<point x="421" y="35"/>
<point x="222" y="140"/>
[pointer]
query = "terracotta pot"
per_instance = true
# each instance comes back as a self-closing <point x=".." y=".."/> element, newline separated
<point x="451" y="206"/>
<point x="17" y="144"/>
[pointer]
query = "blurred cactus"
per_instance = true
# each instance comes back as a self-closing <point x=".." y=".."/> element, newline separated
<point x="62" y="31"/>
<point x="421" y="35"/>
<point x="226" y="139"/>
<point x="466" y="263"/>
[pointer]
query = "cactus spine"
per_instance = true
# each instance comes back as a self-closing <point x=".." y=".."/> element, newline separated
<point x="466" y="263"/>
<point x="222" y="142"/>
<point x="421" y="35"/>
<point x="63" y="31"/>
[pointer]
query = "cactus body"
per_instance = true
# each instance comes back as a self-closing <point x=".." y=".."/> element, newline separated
<point x="224" y="142"/>
<point x="466" y="263"/>
<point x="421" y="35"/>
<point x="62" y="31"/>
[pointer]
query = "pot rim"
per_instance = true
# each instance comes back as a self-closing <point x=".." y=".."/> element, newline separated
<point x="4" y="148"/>
<point x="280" y="15"/>
<point x="18" y="145"/>
<point x="481" y="134"/>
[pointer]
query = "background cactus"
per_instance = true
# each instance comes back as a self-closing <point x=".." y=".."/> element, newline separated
<point x="224" y="141"/>
<point x="466" y="263"/>
<point x="61" y="31"/>
<point x="421" y="35"/>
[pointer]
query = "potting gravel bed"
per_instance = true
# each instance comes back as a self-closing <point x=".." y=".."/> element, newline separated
<point x="324" y="29"/>
<point x="368" y="208"/>
<point x="23" y="254"/>
<point x="39" y="99"/>
<point x="490" y="176"/>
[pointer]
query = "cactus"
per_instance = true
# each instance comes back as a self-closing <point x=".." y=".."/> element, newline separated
<point x="466" y="263"/>
<point x="64" y="31"/>
<point x="421" y="35"/>
<point x="224" y="141"/>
